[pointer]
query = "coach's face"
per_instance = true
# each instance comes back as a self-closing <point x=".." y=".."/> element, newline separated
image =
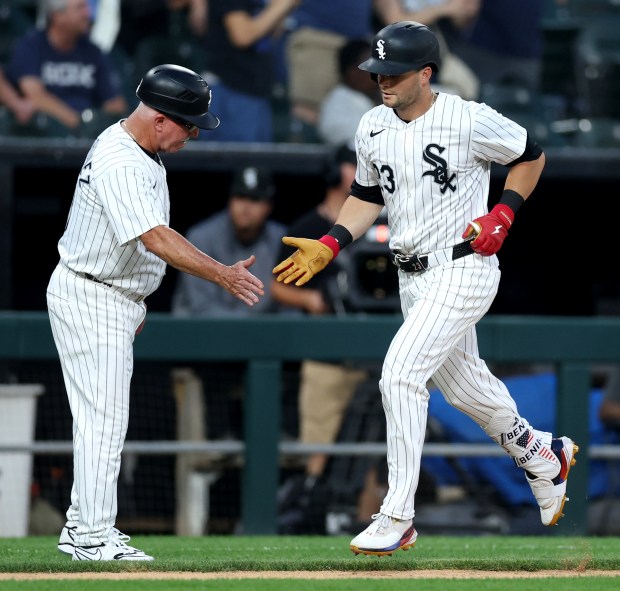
<point x="175" y="134"/>
<point x="406" y="93"/>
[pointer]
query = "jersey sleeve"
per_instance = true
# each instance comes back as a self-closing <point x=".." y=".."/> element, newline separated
<point x="366" y="174"/>
<point x="496" y="138"/>
<point x="131" y="203"/>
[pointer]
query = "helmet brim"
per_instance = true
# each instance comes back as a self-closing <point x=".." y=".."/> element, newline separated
<point x="207" y="121"/>
<point x="375" y="66"/>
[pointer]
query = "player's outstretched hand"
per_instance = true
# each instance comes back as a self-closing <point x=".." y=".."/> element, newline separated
<point x="242" y="284"/>
<point x="490" y="230"/>
<point x="310" y="257"/>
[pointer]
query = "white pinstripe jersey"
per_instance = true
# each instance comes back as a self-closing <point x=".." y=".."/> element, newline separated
<point x="120" y="194"/>
<point x="434" y="171"/>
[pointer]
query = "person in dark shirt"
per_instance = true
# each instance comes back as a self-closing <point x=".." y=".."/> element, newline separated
<point x="242" y="66"/>
<point x="60" y="71"/>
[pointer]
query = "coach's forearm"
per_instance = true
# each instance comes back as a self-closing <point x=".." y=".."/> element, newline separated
<point x="181" y="254"/>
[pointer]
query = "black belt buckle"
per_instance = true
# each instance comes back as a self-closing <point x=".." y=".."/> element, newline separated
<point x="410" y="263"/>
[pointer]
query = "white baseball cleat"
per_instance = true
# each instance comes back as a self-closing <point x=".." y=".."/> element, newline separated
<point x="66" y="541"/>
<point x="113" y="549"/>
<point x="384" y="535"/>
<point x="550" y="493"/>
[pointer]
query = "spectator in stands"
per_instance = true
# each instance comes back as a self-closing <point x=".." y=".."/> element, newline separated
<point x="455" y="75"/>
<point x="326" y="388"/>
<point x="505" y="43"/>
<point x="61" y="71"/>
<point x="239" y="40"/>
<point x="242" y="229"/>
<point x="21" y="108"/>
<point x="318" y="29"/>
<point x="356" y="93"/>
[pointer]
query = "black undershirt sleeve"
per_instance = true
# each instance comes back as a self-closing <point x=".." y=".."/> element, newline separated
<point x="370" y="194"/>
<point x="532" y="152"/>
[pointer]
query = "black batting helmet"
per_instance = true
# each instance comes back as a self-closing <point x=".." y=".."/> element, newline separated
<point x="178" y="92"/>
<point x="402" y="47"/>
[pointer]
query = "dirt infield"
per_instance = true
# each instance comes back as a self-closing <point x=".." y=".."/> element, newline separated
<point x="323" y="575"/>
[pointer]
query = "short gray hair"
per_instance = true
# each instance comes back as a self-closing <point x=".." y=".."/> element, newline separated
<point x="47" y="7"/>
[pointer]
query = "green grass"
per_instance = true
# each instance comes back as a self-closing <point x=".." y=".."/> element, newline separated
<point x="284" y="553"/>
<point x="571" y="555"/>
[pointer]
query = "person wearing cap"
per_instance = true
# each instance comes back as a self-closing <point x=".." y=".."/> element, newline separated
<point x="240" y="230"/>
<point x="426" y="157"/>
<point x="113" y="255"/>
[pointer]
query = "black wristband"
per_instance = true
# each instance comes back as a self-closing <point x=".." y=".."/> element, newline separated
<point x="512" y="199"/>
<point x="341" y="235"/>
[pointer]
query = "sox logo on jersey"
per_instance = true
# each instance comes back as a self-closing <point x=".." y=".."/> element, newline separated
<point x="440" y="168"/>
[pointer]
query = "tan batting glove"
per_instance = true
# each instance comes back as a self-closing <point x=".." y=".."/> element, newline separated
<point x="310" y="257"/>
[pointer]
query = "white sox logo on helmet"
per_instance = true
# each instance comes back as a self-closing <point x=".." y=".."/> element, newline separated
<point x="380" y="49"/>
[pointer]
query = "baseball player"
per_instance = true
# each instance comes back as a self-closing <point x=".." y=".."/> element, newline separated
<point x="113" y="255"/>
<point x="427" y="158"/>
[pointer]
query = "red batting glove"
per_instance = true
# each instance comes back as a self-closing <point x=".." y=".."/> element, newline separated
<point x="490" y="230"/>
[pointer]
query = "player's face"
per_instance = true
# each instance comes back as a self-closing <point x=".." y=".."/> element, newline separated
<point x="404" y="92"/>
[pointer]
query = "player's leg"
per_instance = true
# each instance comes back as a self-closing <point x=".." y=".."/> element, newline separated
<point x="436" y="316"/>
<point x="468" y="385"/>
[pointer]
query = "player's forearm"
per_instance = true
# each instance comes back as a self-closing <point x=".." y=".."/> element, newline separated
<point x="357" y="216"/>
<point x="524" y="176"/>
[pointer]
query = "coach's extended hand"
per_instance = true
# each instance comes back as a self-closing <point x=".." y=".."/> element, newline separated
<point x="310" y="257"/>
<point x="490" y="230"/>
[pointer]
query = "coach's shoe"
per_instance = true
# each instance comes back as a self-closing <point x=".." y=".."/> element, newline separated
<point x="66" y="542"/>
<point x="116" y="548"/>
<point x="550" y="492"/>
<point x="384" y="535"/>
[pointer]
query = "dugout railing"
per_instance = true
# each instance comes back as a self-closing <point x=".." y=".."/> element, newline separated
<point x="573" y="345"/>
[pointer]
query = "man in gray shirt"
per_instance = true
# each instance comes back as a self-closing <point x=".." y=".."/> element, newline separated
<point x="240" y="230"/>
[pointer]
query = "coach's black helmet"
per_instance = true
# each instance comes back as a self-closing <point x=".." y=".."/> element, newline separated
<point x="179" y="92"/>
<point x="402" y="47"/>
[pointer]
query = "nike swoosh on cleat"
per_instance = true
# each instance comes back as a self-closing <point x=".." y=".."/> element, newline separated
<point x="373" y="133"/>
<point x="84" y="554"/>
